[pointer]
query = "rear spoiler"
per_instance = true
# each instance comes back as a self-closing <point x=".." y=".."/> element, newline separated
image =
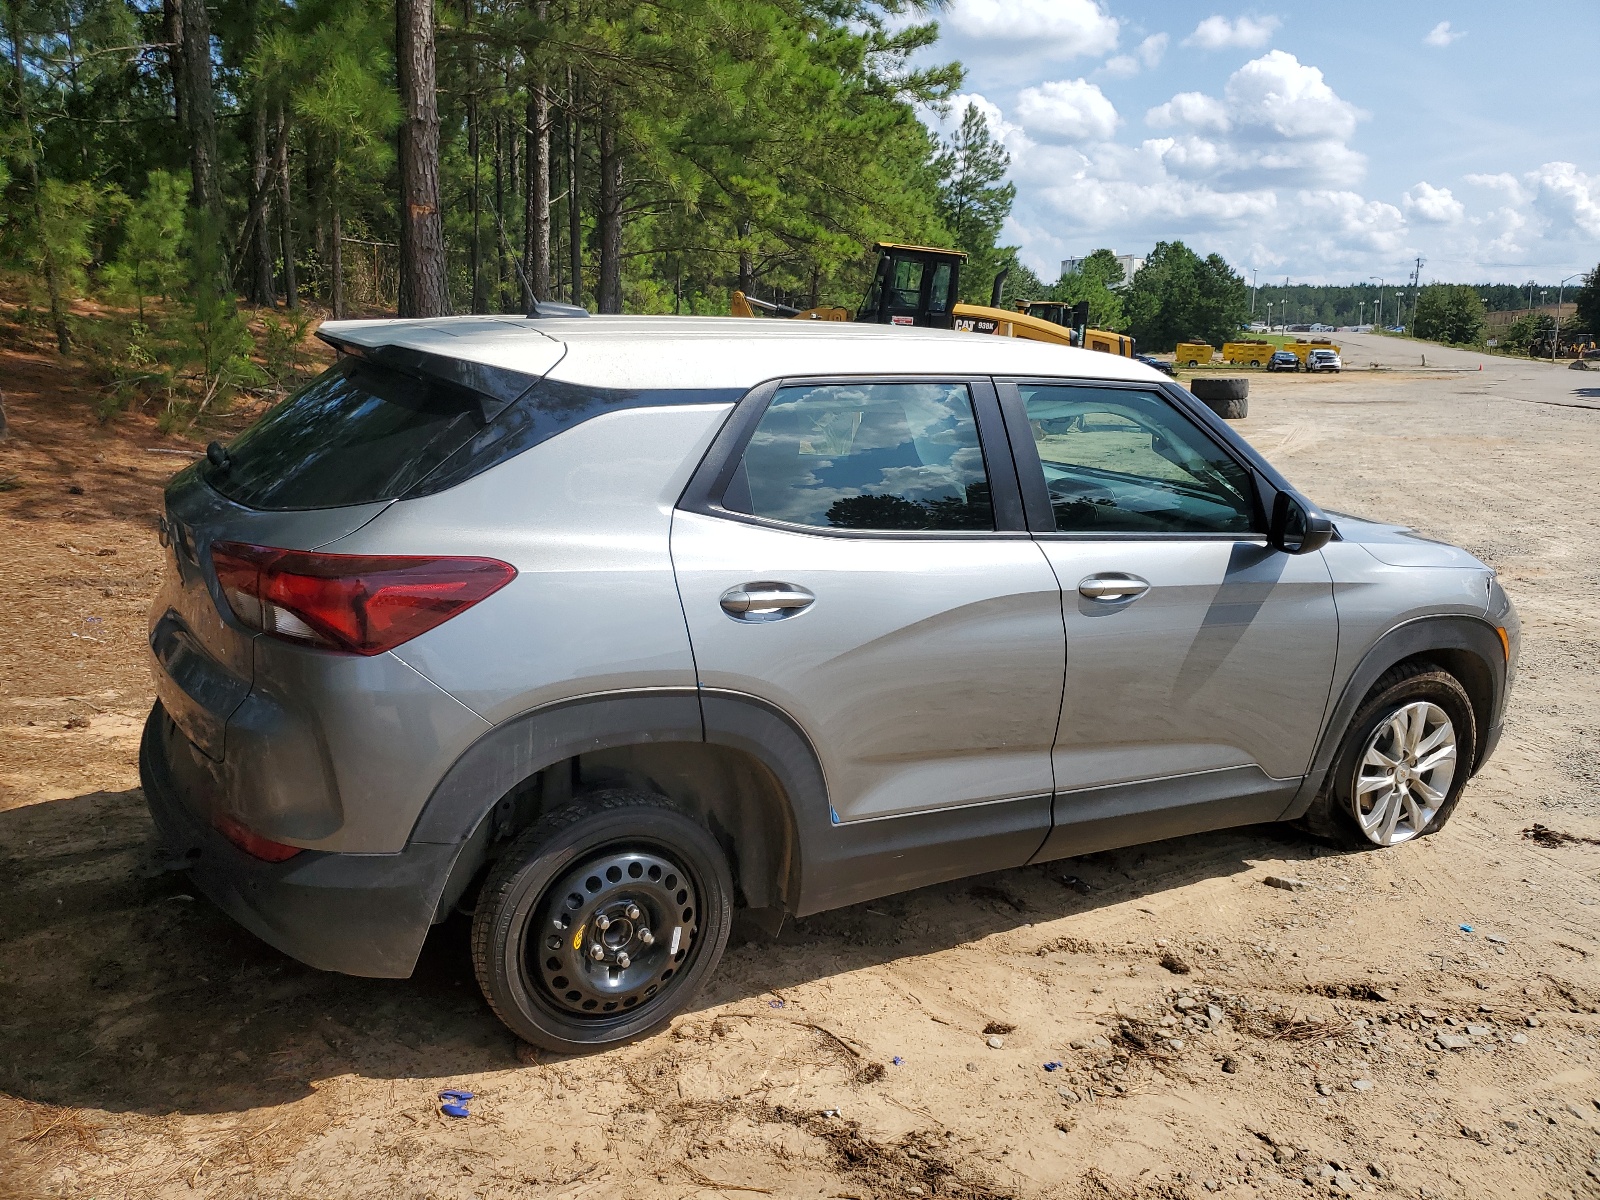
<point x="497" y="388"/>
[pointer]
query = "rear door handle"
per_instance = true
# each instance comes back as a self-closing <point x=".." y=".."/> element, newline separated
<point x="1113" y="586"/>
<point x="765" y="601"/>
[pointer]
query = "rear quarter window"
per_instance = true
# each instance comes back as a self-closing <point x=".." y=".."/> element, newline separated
<point x="360" y="432"/>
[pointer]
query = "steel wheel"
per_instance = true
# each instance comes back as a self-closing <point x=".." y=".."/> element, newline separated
<point x="601" y="920"/>
<point x="608" y="934"/>
<point x="1405" y="773"/>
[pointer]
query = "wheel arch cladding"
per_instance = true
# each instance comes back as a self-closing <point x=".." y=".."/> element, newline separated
<point x="741" y="767"/>
<point x="1467" y="647"/>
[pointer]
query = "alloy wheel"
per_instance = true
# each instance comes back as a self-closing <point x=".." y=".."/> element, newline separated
<point x="1404" y="773"/>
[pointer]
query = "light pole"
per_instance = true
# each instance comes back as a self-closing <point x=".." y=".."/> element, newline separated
<point x="1561" y="288"/>
<point x="1361" y="312"/>
<point x="1377" y="309"/>
<point x="1253" y="290"/>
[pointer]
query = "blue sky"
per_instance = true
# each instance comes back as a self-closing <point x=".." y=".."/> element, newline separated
<point x="1325" y="143"/>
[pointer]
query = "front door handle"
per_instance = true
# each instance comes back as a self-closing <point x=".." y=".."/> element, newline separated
<point x="765" y="601"/>
<point x="1113" y="586"/>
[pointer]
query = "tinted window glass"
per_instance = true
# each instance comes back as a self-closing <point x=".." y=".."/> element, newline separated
<point x="1121" y="461"/>
<point x="907" y="285"/>
<point x="939" y="292"/>
<point x="866" y="456"/>
<point x="357" y="433"/>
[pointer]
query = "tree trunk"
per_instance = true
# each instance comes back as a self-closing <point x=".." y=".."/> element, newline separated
<point x="422" y="259"/>
<point x="172" y="35"/>
<point x="609" y="217"/>
<point x="335" y="239"/>
<point x="574" y="178"/>
<point x="263" y="291"/>
<point x="199" y="101"/>
<point x="480" y="299"/>
<point x="499" y="215"/>
<point x="746" y="271"/>
<point x="291" y="284"/>
<point x="536" y="214"/>
<point x="52" y="276"/>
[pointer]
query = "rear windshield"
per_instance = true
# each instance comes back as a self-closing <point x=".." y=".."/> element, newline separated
<point x="358" y="433"/>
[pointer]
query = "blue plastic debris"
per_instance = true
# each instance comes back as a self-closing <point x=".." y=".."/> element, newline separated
<point x="455" y="1103"/>
<point x="898" y="1060"/>
<point x="774" y="1003"/>
<point x="1052" y="1066"/>
<point x="1466" y="929"/>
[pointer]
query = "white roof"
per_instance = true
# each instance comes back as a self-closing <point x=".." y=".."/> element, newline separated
<point x="727" y="352"/>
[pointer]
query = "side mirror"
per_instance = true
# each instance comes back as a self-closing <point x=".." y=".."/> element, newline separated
<point x="1298" y="526"/>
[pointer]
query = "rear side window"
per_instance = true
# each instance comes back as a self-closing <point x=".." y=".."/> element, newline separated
<point x="358" y="433"/>
<point x="877" y="456"/>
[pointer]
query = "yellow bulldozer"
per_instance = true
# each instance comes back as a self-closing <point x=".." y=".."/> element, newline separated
<point x="918" y="285"/>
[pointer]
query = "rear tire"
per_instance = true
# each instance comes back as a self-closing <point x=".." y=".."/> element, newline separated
<point x="627" y="873"/>
<point x="1225" y="397"/>
<point x="1360" y="790"/>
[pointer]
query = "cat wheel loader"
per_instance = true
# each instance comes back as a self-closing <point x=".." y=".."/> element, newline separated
<point x="918" y="285"/>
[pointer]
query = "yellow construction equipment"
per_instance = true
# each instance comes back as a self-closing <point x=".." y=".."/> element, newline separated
<point x="918" y="285"/>
<point x="1193" y="354"/>
<point x="1247" y="354"/>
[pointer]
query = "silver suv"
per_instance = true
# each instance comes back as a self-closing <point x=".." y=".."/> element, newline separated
<point x="602" y="629"/>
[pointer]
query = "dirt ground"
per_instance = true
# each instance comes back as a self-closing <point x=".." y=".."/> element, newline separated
<point x="1214" y="1036"/>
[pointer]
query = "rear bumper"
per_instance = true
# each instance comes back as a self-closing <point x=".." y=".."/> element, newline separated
<point x="359" y="914"/>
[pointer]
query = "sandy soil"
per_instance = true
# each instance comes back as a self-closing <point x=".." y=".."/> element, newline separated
<point x="1215" y="1036"/>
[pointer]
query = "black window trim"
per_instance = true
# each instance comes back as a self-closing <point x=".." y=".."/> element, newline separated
<point x="1266" y="483"/>
<point x="710" y="480"/>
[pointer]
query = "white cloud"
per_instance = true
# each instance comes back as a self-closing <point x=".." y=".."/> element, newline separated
<point x="1277" y="91"/>
<point x="1067" y="110"/>
<point x="1442" y="35"/>
<point x="1567" y="198"/>
<point x="1434" y="205"/>
<point x="1219" y="33"/>
<point x="1502" y="182"/>
<point x="1194" y="109"/>
<point x="1072" y="27"/>
<point x="1147" y="55"/>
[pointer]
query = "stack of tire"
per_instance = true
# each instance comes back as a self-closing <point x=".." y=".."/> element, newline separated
<point x="1228" y="398"/>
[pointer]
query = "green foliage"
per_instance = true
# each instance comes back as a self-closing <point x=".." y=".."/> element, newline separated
<point x="149" y="260"/>
<point x="1587" y="309"/>
<point x="974" y="198"/>
<point x="282" y="349"/>
<point x="1178" y="295"/>
<point x="215" y="335"/>
<point x="1449" y="312"/>
<point x="1093" y="281"/>
<point x="72" y="213"/>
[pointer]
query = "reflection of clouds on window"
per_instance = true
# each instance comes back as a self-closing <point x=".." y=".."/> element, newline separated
<point x="869" y="456"/>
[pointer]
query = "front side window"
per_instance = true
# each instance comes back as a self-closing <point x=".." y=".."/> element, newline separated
<point x="907" y="291"/>
<point x="869" y="456"/>
<point x="1122" y="461"/>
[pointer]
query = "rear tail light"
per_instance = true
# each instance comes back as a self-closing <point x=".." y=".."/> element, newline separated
<point x="252" y="843"/>
<point x="358" y="603"/>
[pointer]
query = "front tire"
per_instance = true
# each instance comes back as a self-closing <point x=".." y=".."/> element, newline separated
<point x="1403" y="763"/>
<point x="601" y="922"/>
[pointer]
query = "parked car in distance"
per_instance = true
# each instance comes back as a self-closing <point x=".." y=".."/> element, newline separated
<point x="1159" y="364"/>
<point x="1324" y="360"/>
<point x="1283" y="360"/>
<point x="597" y="630"/>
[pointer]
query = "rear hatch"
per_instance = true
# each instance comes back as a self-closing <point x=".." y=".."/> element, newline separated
<point x="381" y="424"/>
